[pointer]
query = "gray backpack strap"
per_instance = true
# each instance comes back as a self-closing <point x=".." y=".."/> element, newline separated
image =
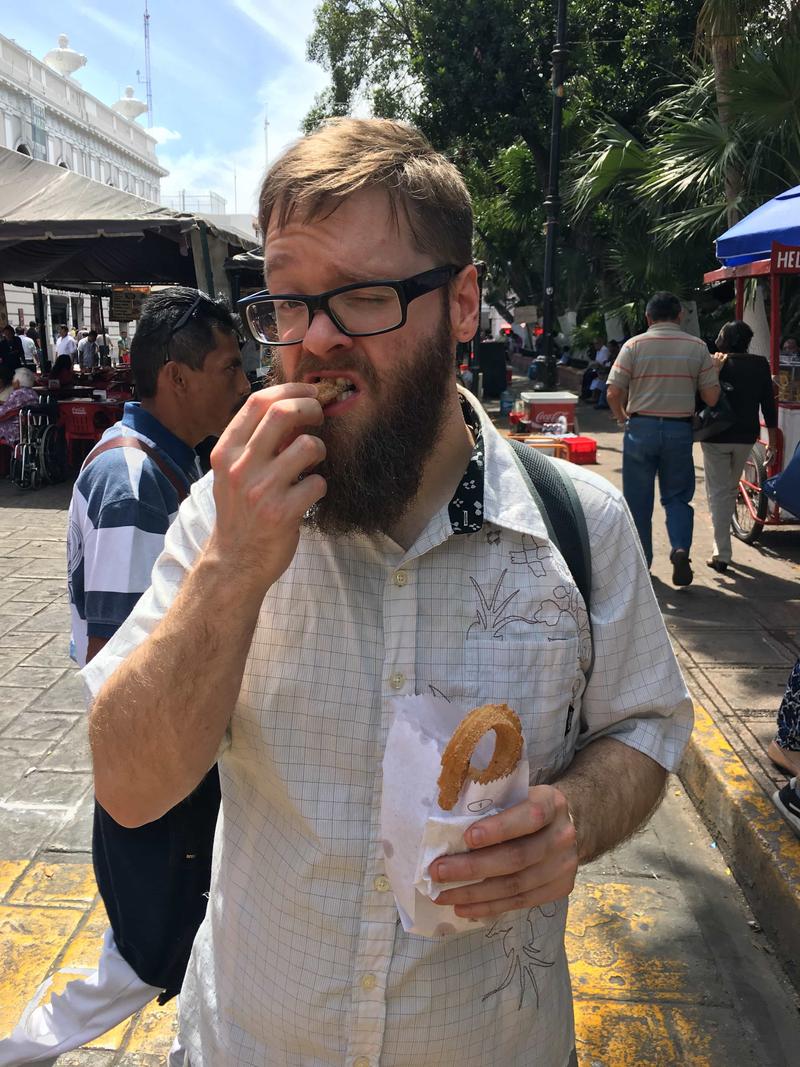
<point x="553" y="491"/>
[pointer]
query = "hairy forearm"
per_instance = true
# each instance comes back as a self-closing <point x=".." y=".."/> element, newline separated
<point x="157" y="723"/>
<point x="611" y="790"/>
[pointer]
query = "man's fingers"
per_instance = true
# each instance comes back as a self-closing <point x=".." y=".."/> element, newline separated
<point x="244" y="423"/>
<point x="515" y="885"/>
<point x="558" y="889"/>
<point x="536" y="811"/>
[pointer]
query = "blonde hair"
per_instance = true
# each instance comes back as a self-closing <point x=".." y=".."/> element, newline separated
<point x="321" y="170"/>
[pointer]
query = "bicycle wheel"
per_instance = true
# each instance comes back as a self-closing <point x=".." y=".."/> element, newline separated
<point x="752" y="503"/>
<point x="53" y="454"/>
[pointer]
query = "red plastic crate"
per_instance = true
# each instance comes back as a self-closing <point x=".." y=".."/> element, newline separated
<point x="581" y="449"/>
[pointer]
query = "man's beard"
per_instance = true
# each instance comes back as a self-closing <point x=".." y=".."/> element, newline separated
<point x="374" y="474"/>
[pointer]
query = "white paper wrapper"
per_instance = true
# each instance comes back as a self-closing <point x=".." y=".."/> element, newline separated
<point x="414" y="828"/>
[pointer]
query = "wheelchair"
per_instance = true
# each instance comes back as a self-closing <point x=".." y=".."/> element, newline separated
<point x="40" y="458"/>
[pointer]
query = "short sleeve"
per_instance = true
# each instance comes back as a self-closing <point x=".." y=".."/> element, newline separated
<point x="620" y="373"/>
<point x="636" y="693"/>
<point x="183" y="544"/>
<point x="709" y="375"/>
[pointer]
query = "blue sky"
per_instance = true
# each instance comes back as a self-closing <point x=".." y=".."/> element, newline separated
<point x="216" y="65"/>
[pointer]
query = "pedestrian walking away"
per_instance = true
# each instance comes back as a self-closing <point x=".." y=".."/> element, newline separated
<point x="153" y="879"/>
<point x="337" y="559"/>
<point x="651" y="391"/>
<point x="747" y="382"/>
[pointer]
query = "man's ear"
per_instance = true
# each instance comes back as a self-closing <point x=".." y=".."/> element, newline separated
<point x="465" y="304"/>
<point x="172" y="377"/>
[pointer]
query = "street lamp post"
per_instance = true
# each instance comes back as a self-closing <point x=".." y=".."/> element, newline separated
<point x="552" y="201"/>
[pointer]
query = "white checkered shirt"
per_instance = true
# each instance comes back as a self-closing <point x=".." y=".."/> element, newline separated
<point x="301" y="959"/>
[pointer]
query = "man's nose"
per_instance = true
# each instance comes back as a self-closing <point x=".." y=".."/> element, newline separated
<point x="323" y="335"/>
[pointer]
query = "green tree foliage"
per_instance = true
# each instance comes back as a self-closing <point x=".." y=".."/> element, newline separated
<point x="650" y="159"/>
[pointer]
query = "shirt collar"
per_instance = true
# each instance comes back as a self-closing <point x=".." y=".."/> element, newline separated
<point x="501" y="489"/>
<point x="165" y="440"/>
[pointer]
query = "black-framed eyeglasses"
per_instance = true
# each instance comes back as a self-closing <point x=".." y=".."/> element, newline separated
<point x="363" y="309"/>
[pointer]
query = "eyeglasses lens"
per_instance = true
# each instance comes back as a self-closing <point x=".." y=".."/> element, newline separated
<point x="370" y="310"/>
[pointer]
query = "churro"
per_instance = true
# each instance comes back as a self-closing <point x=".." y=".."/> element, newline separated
<point x="330" y="389"/>
<point x="456" y="765"/>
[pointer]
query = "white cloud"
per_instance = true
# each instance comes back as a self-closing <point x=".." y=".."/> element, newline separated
<point x="122" y="31"/>
<point x="288" y="26"/>
<point x="287" y="98"/>
<point x="162" y="134"/>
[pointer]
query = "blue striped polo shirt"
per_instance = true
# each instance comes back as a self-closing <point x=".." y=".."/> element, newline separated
<point x="121" y="508"/>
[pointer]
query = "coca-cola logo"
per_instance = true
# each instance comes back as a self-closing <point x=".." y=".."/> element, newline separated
<point x="550" y="416"/>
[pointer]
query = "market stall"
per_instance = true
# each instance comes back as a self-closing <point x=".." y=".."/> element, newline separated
<point x="766" y="245"/>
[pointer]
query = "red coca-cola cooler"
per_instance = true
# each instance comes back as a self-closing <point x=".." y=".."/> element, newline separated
<point x="545" y="408"/>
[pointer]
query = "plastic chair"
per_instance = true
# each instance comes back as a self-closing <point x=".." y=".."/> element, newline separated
<point x="78" y="421"/>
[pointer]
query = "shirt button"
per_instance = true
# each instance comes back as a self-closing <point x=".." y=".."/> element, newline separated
<point x="400" y="578"/>
<point x="381" y="883"/>
<point x="368" y="982"/>
<point x="362" y="1061"/>
<point x="397" y="681"/>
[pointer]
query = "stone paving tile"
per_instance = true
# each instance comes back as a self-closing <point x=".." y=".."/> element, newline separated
<point x="755" y="649"/>
<point x="38" y="593"/>
<point x="15" y="700"/>
<point x="30" y="749"/>
<point x="10" y="621"/>
<point x="14" y="770"/>
<point x="72" y="752"/>
<point x="39" y="725"/>
<point x="49" y="789"/>
<point x="747" y="689"/>
<point x="22" y="833"/>
<point x="74" y="834"/>
<point x="33" y="677"/>
<point x="29" y="641"/>
<point x="68" y="694"/>
<point x="11" y="658"/>
<point x="36" y="549"/>
<point x="54" y="618"/>
<point x="54" y="654"/>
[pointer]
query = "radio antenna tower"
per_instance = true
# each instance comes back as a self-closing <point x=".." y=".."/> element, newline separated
<point x="147" y="79"/>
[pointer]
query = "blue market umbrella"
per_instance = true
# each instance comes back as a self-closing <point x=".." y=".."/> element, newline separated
<point x="751" y="238"/>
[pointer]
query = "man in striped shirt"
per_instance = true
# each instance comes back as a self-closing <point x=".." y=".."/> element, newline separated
<point x="188" y="373"/>
<point x="651" y="391"/>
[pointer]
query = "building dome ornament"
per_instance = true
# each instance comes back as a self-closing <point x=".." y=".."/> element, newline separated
<point x="128" y="106"/>
<point x="64" y="60"/>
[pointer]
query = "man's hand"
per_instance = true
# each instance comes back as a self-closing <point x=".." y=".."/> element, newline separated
<point x="525" y="856"/>
<point x="258" y="490"/>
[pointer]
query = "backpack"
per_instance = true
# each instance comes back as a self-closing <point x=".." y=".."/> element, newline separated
<point x="554" y="494"/>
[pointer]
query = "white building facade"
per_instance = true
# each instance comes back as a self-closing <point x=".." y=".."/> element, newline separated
<point x="47" y="115"/>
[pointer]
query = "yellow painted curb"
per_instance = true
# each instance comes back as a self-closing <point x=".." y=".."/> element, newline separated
<point x="759" y="845"/>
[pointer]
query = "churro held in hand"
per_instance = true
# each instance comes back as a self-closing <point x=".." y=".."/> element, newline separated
<point x="456" y="765"/>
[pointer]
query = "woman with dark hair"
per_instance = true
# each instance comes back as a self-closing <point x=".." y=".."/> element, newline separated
<point x="62" y="371"/>
<point x="725" y="456"/>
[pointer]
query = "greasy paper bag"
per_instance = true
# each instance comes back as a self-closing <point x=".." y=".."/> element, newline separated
<point x="415" y="830"/>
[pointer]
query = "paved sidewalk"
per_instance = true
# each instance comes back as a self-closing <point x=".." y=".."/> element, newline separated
<point x="737" y="637"/>
<point x="669" y="965"/>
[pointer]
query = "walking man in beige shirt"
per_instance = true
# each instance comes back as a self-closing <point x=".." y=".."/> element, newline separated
<point x="651" y="391"/>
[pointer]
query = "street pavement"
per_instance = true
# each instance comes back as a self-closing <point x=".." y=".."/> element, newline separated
<point x="670" y="965"/>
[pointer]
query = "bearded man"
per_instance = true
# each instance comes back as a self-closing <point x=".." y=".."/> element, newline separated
<point x="335" y="559"/>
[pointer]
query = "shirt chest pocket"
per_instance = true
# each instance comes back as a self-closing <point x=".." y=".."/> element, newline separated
<point x="539" y="677"/>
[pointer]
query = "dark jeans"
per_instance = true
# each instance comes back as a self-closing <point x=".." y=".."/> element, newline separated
<point x="660" y="448"/>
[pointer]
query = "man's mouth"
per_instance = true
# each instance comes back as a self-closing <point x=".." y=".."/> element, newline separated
<point x="333" y="390"/>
